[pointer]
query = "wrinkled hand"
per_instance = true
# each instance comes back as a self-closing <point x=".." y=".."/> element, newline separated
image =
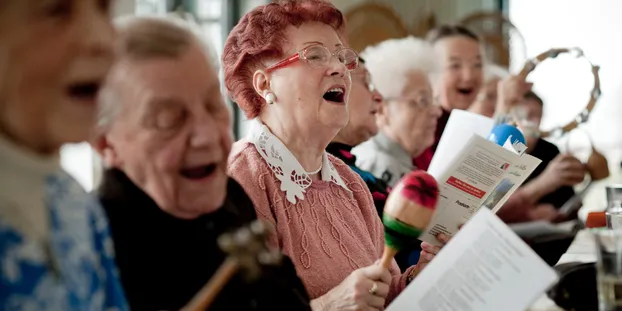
<point x="511" y="91"/>
<point x="564" y="170"/>
<point x="428" y="253"/>
<point x="354" y="293"/>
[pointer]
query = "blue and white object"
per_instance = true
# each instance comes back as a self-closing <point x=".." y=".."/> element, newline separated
<point x="502" y="132"/>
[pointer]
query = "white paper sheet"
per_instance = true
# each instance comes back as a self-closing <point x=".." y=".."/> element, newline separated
<point x="485" y="267"/>
<point x="461" y="125"/>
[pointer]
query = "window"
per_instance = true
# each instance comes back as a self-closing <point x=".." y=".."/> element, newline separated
<point x="79" y="160"/>
<point x="564" y="83"/>
<point x="151" y="7"/>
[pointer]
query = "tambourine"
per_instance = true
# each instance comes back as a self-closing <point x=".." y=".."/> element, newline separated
<point x="584" y="115"/>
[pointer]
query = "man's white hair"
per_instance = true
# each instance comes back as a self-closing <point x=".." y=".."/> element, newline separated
<point x="148" y="37"/>
<point x="389" y="62"/>
<point x="493" y="71"/>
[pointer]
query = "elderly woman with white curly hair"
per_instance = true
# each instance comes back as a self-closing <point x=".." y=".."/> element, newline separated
<point x="401" y="70"/>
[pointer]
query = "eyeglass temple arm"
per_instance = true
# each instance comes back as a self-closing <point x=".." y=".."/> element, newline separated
<point x="284" y="62"/>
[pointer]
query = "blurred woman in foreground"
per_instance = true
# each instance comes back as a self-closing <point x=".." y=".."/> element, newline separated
<point x="55" y="245"/>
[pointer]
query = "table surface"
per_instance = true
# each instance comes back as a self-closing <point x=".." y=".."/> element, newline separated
<point x="582" y="249"/>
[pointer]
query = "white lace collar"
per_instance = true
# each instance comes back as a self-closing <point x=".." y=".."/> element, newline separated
<point x="293" y="177"/>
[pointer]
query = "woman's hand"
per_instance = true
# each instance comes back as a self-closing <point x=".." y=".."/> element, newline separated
<point x="564" y="170"/>
<point x="428" y="253"/>
<point x="363" y="290"/>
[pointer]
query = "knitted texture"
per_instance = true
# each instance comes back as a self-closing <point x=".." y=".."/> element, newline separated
<point x="328" y="234"/>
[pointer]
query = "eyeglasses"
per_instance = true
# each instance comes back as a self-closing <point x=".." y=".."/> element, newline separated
<point x="421" y="101"/>
<point x="366" y="79"/>
<point x="318" y="55"/>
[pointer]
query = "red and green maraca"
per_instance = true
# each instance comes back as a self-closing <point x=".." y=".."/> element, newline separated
<point x="407" y="212"/>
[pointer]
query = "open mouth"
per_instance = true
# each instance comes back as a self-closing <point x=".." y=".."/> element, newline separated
<point x="198" y="172"/>
<point x="465" y="91"/>
<point x="84" y="91"/>
<point x="336" y="95"/>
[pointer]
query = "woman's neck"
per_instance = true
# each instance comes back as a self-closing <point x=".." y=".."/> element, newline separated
<point x="29" y="142"/>
<point x="390" y="134"/>
<point x="307" y="146"/>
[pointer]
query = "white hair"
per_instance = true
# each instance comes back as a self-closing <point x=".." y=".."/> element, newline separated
<point x="493" y="71"/>
<point x="186" y="23"/>
<point x="148" y="37"/>
<point x="389" y="62"/>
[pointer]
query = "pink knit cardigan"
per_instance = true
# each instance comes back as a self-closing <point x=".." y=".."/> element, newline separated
<point x="329" y="234"/>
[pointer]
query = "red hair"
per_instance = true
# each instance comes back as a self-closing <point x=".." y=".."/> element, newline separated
<point x="260" y="35"/>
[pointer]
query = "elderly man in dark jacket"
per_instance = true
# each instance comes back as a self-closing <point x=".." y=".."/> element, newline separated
<point x="164" y="135"/>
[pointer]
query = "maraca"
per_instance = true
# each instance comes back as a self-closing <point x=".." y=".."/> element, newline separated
<point x="407" y="212"/>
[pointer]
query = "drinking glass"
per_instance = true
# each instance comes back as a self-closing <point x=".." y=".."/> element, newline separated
<point x="609" y="269"/>
<point x="614" y="215"/>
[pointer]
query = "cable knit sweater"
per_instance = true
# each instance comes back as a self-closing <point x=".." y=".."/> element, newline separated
<point x="328" y="234"/>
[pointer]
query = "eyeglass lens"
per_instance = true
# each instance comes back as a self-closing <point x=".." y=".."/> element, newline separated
<point x="368" y="83"/>
<point x="320" y="56"/>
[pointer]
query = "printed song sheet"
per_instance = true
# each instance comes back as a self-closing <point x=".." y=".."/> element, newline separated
<point x="485" y="267"/>
<point x="481" y="174"/>
<point x="471" y="176"/>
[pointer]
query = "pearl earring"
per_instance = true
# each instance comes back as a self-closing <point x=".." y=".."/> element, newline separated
<point x="270" y="98"/>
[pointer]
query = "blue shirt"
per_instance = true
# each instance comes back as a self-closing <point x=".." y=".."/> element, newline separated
<point x="55" y="247"/>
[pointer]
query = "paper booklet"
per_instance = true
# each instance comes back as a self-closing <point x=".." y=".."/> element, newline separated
<point x="474" y="172"/>
<point x="485" y="267"/>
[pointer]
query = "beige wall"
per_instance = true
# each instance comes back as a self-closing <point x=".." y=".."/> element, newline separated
<point x="446" y="11"/>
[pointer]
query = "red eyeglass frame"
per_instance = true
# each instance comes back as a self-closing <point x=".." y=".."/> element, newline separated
<point x="298" y="56"/>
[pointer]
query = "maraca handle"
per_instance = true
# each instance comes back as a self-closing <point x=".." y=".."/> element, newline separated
<point x="387" y="257"/>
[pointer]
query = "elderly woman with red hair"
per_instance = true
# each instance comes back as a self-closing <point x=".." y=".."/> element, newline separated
<point x="287" y="67"/>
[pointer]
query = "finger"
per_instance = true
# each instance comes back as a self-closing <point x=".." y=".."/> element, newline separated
<point x="375" y="302"/>
<point x="386" y="277"/>
<point x="430" y="248"/>
<point x="572" y="177"/>
<point x="382" y="289"/>
<point x="572" y="172"/>
<point x="377" y="273"/>
<point x="421" y="267"/>
<point x="573" y="164"/>
<point x="443" y="238"/>
<point x="575" y="174"/>
<point x="578" y="169"/>
<point x="427" y="256"/>
<point x="564" y="157"/>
